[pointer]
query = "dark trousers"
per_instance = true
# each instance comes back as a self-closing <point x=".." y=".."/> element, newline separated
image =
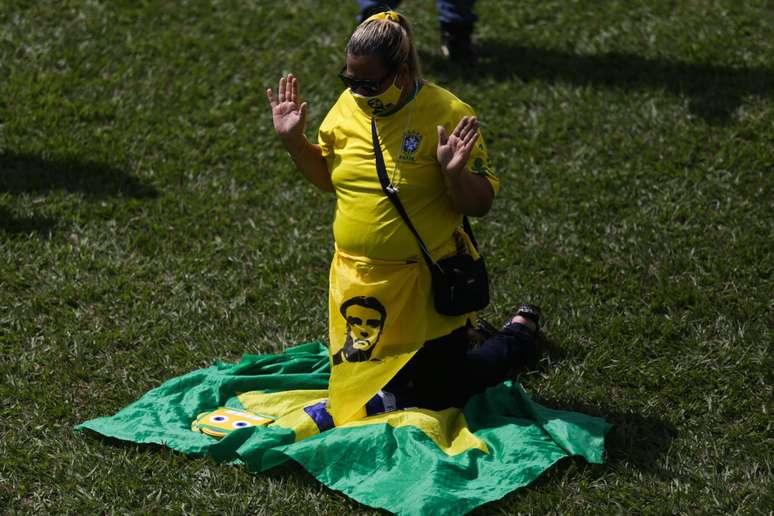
<point x="449" y="11"/>
<point x="446" y="373"/>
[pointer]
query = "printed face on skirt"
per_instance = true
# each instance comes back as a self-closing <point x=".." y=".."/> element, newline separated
<point x="365" y="317"/>
<point x="364" y="326"/>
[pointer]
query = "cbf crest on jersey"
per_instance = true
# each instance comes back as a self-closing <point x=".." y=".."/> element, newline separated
<point x="409" y="146"/>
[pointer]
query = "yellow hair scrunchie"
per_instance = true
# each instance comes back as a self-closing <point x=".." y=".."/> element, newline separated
<point x="387" y="15"/>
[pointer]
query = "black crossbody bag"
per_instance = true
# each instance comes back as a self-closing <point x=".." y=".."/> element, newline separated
<point x="460" y="282"/>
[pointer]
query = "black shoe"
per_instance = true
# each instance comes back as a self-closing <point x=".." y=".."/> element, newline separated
<point x="484" y="329"/>
<point x="525" y="349"/>
<point x="530" y="312"/>
<point x="457" y="43"/>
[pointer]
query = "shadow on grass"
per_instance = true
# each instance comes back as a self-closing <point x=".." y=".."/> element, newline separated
<point x="24" y="225"/>
<point x="24" y="173"/>
<point x="635" y="440"/>
<point x="714" y="91"/>
<point x="21" y="173"/>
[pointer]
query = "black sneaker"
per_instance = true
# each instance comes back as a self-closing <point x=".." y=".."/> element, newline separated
<point x="526" y="348"/>
<point x="530" y="312"/>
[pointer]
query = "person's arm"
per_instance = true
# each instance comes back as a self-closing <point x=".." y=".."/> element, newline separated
<point x="309" y="160"/>
<point x="289" y="120"/>
<point x="471" y="193"/>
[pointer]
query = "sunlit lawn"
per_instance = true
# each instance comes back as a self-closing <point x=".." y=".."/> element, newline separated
<point x="151" y="224"/>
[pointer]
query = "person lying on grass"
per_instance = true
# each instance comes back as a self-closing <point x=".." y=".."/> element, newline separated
<point x="387" y="340"/>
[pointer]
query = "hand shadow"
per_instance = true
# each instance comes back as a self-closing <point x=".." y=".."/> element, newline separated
<point x="714" y="91"/>
<point x="25" y="173"/>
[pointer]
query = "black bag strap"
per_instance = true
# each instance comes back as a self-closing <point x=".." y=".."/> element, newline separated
<point x="392" y="194"/>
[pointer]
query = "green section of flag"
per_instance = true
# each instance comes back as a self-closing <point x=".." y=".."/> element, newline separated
<point x="164" y="414"/>
<point x="400" y="469"/>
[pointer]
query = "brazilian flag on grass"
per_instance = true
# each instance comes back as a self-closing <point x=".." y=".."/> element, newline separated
<point x="271" y="408"/>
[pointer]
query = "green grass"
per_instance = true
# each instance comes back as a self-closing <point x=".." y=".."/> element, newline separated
<point x="150" y="224"/>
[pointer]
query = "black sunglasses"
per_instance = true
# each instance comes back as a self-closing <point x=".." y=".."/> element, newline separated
<point x="365" y="85"/>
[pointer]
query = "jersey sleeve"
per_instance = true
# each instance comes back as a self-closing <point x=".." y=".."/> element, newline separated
<point x="326" y="137"/>
<point x="326" y="134"/>
<point x="479" y="158"/>
<point x="479" y="163"/>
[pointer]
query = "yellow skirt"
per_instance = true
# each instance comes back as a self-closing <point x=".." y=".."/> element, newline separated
<point x="380" y="313"/>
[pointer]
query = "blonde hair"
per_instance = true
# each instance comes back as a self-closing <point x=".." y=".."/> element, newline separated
<point x="389" y="37"/>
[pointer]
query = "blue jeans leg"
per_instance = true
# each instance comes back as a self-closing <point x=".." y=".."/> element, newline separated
<point x="456" y="12"/>
<point x="449" y="11"/>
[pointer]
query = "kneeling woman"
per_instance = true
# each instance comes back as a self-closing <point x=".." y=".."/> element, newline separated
<point x="389" y="346"/>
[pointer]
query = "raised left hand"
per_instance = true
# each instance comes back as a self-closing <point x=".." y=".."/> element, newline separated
<point x="454" y="151"/>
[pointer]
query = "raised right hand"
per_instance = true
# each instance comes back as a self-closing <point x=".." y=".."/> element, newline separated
<point x="289" y="117"/>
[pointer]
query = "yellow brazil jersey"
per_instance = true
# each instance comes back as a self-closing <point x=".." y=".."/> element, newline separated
<point x="366" y="223"/>
<point x="380" y="301"/>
